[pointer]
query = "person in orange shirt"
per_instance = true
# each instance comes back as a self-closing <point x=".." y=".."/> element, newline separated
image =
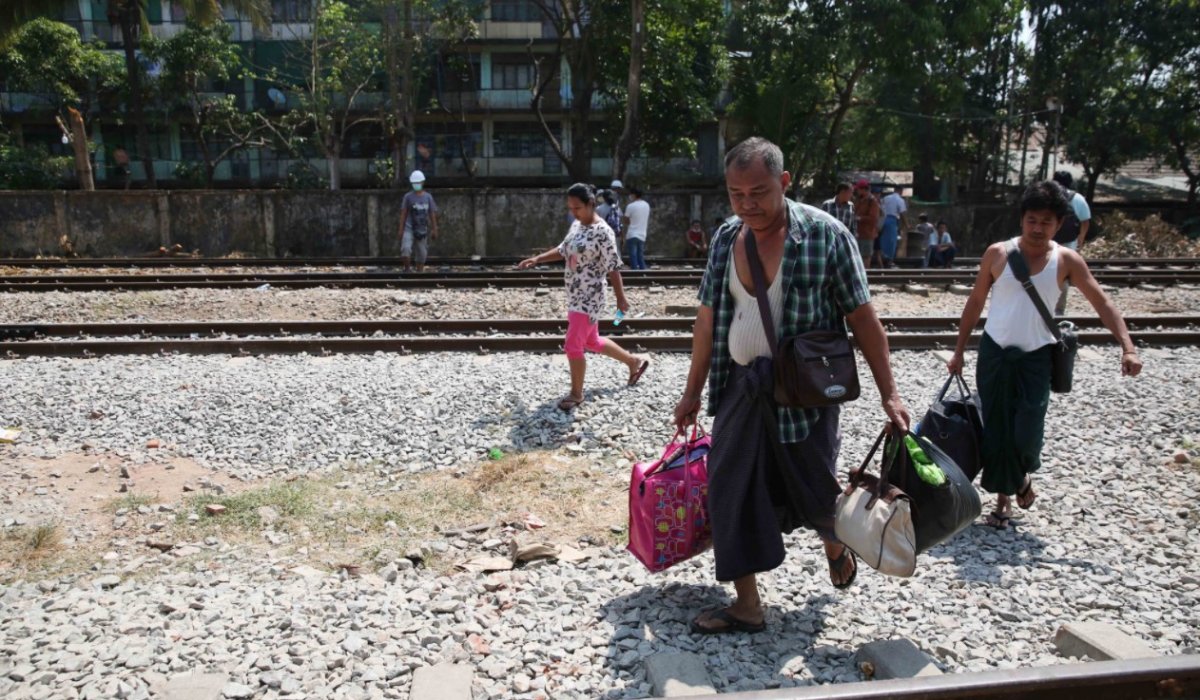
<point x="867" y="211"/>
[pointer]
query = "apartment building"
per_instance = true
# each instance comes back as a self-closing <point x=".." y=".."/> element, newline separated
<point x="474" y="122"/>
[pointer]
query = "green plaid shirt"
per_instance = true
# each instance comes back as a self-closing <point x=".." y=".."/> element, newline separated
<point x="824" y="280"/>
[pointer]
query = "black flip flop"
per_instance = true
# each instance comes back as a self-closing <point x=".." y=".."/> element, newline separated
<point x="732" y="624"/>
<point x="1025" y="491"/>
<point x="640" y="371"/>
<point x="569" y="404"/>
<point x="997" y="520"/>
<point x="837" y="564"/>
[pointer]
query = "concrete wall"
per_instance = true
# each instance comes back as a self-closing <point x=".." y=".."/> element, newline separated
<point x="365" y="222"/>
<point x="308" y="223"/>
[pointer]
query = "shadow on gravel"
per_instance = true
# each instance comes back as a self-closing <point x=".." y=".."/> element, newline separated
<point x="657" y="620"/>
<point x="983" y="554"/>
<point x="546" y="426"/>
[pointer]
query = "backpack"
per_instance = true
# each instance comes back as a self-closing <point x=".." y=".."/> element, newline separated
<point x="613" y="219"/>
<point x="1069" y="231"/>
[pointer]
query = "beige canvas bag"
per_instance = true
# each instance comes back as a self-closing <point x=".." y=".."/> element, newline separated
<point x="874" y="518"/>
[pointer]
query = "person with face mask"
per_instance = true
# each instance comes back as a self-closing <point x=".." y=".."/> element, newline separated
<point x="418" y="222"/>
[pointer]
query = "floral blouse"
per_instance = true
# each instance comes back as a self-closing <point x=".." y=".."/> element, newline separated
<point x="591" y="253"/>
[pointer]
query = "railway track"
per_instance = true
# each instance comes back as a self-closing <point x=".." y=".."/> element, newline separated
<point x="499" y="279"/>
<point x="492" y="261"/>
<point x="490" y="335"/>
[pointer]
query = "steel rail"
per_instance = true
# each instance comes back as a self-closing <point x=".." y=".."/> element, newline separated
<point x="1175" y="676"/>
<point x="491" y="261"/>
<point x="549" y="274"/>
<point x="633" y="326"/>
<point x="509" y="343"/>
<point x="499" y="280"/>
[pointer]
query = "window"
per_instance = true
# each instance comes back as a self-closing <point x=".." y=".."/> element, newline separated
<point x="516" y="11"/>
<point x="459" y="73"/>
<point x="291" y="11"/>
<point x="365" y="141"/>
<point x="521" y="140"/>
<point x="511" y="72"/>
<point x="440" y="148"/>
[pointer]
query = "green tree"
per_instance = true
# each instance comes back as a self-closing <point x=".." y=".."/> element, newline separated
<point x="1172" y="30"/>
<point x="28" y="167"/>
<point x="192" y="62"/>
<point x="805" y="67"/>
<point x="330" y="72"/>
<point x="1105" y="60"/>
<point x="583" y="31"/>
<point x="414" y="33"/>
<point x="678" y="82"/>
<point x="48" y="59"/>
<point x="130" y="17"/>
<point x="947" y="99"/>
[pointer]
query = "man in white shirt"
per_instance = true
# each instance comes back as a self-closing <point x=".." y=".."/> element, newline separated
<point x="894" y="221"/>
<point x="637" y="221"/>
<point x="1074" y="229"/>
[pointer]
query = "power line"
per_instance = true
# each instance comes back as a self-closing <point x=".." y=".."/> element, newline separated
<point x="954" y="118"/>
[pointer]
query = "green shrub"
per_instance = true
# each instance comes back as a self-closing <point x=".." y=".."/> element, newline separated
<point x="30" y="167"/>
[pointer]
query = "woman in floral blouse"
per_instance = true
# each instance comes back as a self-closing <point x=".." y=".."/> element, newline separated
<point x="593" y="261"/>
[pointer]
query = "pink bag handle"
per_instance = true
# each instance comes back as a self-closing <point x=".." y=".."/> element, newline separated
<point x="697" y="431"/>
<point x="673" y="445"/>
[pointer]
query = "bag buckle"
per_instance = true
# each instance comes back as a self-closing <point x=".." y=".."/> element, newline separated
<point x="825" y="360"/>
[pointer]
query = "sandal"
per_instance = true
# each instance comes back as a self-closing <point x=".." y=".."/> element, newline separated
<point x="633" y="378"/>
<point x="997" y="520"/>
<point x="836" y="565"/>
<point x="569" y="404"/>
<point x="730" y="623"/>
<point x="1027" y="492"/>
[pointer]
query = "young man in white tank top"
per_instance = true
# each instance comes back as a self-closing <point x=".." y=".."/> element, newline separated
<point x="1013" y="368"/>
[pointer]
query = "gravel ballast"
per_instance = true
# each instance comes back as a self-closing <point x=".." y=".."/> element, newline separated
<point x="1114" y="536"/>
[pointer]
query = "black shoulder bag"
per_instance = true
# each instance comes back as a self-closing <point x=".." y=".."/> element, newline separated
<point x="1066" y="343"/>
<point x="811" y="369"/>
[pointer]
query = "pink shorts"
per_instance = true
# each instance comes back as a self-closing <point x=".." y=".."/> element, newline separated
<point x="582" y="335"/>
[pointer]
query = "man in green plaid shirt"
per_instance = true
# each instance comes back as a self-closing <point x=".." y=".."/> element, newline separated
<point x="772" y="469"/>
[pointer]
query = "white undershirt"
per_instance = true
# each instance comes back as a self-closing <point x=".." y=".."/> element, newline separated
<point x="1012" y="319"/>
<point x="747" y="337"/>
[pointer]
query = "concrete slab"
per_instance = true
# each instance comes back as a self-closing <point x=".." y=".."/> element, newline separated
<point x="442" y="682"/>
<point x="918" y="289"/>
<point x="1099" y="641"/>
<point x="681" y="309"/>
<point x="895" y="658"/>
<point x="678" y="675"/>
<point x="195" y="686"/>
<point x="961" y="290"/>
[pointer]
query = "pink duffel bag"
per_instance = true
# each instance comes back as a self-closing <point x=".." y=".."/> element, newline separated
<point x="668" y="504"/>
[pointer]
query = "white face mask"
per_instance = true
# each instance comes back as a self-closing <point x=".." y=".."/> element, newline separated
<point x="417" y="186"/>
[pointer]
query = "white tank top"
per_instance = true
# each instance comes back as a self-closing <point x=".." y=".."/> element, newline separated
<point x="747" y="337"/>
<point x="1012" y="319"/>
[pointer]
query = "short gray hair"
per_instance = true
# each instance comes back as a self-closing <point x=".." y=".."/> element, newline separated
<point x="755" y="149"/>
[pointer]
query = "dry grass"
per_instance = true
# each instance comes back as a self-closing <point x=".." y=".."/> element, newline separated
<point x="128" y="502"/>
<point x="36" y="549"/>
<point x="349" y="518"/>
<point x="350" y="525"/>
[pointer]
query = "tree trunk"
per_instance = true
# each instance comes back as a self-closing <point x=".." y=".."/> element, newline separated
<point x="79" y="144"/>
<point x="334" y="161"/>
<point x="399" y="66"/>
<point x="633" y="91"/>
<point x="128" y="19"/>
<point x="1093" y="178"/>
<point x="826" y="176"/>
